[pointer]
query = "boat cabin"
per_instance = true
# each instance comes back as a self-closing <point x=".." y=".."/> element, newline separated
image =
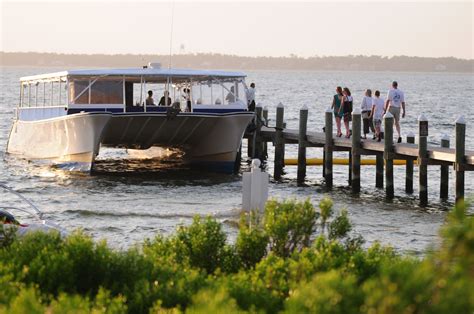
<point x="127" y="90"/>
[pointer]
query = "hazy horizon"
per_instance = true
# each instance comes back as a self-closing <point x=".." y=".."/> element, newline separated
<point x="261" y="29"/>
<point x="230" y="55"/>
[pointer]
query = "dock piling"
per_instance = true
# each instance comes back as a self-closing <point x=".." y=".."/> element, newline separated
<point x="444" y="180"/>
<point x="356" y="125"/>
<point x="460" y="160"/>
<point x="301" y="174"/>
<point x="422" y="160"/>
<point x="379" y="171"/>
<point x="328" y="148"/>
<point x="409" y="167"/>
<point x="388" y="155"/>
<point x="279" y="161"/>
<point x="264" y="143"/>
<point x="258" y="147"/>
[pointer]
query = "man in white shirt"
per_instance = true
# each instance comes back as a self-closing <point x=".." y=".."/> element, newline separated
<point x="149" y="100"/>
<point x="251" y="97"/>
<point x="395" y="100"/>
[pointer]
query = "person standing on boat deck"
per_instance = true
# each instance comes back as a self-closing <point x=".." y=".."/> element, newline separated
<point x="336" y="105"/>
<point x="376" y="114"/>
<point x="230" y="96"/>
<point x="395" y="100"/>
<point x="346" y="109"/>
<point x="251" y="97"/>
<point x="187" y="97"/>
<point x="165" y="99"/>
<point x="149" y="100"/>
<point x="366" y="107"/>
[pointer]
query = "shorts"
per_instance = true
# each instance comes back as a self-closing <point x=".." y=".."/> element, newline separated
<point x="377" y="122"/>
<point x="347" y="117"/>
<point x="395" y="111"/>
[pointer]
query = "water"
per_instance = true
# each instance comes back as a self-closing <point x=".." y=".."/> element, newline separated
<point x="132" y="199"/>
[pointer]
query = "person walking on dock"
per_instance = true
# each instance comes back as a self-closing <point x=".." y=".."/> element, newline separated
<point x="336" y="106"/>
<point x="346" y="109"/>
<point x="376" y="114"/>
<point x="366" y="107"/>
<point x="395" y="100"/>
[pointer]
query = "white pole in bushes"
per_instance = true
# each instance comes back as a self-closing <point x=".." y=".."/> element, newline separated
<point x="255" y="188"/>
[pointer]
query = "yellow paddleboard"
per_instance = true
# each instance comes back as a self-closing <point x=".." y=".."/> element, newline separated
<point x="340" y="161"/>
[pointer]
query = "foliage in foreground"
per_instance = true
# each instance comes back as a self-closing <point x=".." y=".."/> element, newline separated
<point x="295" y="258"/>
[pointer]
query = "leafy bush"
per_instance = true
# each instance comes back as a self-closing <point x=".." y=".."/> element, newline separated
<point x="294" y="259"/>
<point x="252" y="241"/>
<point x="289" y="225"/>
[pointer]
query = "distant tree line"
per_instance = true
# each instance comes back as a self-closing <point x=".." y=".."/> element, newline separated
<point x="221" y="61"/>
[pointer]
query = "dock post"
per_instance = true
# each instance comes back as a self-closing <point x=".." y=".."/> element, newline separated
<point x="444" y="180"/>
<point x="356" y="148"/>
<point x="460" y="155"/>
<point x="279" y="143"/>
<point x="302" y="145"/>
<point x="349" y="168"/>
<point x="257" y="144"/>
<point x="422" y="159"/>
<point x="409" y="167"/>
<point x="265" y="120"/>
<point x="328" y="147"/>
<point x="379" y="171"/>
<point x="324" y="163"/>
<point x="388" y="155"/>
<point x="265" y="114"/>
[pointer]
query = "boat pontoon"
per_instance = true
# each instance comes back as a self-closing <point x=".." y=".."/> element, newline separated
<point x="68" y="116"/>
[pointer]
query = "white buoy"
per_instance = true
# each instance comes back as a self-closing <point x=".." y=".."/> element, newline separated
<point x="255" y="188"/>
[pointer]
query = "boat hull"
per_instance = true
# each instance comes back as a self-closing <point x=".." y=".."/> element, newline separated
<point x="209" y="140"/>
<point x="73" y="139"/>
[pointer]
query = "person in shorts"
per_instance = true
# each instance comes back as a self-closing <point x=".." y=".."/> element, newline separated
<point x="394" y="102"/>
<point x="336" y="106"/>
<point x="346" y="109"/>
<point x="377" y="114"/>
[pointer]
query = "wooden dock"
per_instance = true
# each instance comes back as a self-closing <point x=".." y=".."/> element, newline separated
<point x="385" y="151"/>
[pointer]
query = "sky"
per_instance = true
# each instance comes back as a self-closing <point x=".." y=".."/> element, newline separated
<point x="267" y="28"/>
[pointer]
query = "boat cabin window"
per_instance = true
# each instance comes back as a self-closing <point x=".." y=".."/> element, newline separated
<point x="218" y="93"/>
<point x="141" y="92"/>
<point x="96" y="91"/>
<point x="43" y="93"/>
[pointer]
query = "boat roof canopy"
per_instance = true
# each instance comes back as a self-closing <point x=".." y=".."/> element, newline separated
<point x="150" y="75"/>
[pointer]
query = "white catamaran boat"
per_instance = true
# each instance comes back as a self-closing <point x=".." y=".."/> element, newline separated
<point x="68" y="116"/>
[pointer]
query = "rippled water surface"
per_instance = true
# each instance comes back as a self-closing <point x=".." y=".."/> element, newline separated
<point x="130" y="199"/>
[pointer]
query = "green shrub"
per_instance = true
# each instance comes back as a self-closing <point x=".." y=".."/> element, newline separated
<point x="27" y="301"/>
<point x="329" y="292"/>
<point x="7" y="234"/>
<point x="340" y="226"/>
<point x="295" y="260"/>
<point x="252" y="241"/>
<point x="289" y="225"/>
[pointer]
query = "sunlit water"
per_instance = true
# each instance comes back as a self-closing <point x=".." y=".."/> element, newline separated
<point x="129" y="198"/>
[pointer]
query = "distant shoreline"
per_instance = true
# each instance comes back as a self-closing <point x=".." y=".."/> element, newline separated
<point x="220" y="61"/>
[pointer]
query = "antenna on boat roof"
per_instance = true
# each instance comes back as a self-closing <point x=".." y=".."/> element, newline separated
<point x="171" y="33"/>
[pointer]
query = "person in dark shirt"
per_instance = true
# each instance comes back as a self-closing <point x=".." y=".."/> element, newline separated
<point x="165" y="99"/>
<point x="187" y="97"/>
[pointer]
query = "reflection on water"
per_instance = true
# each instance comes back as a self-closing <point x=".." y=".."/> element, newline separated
<point x="132" y="195"/>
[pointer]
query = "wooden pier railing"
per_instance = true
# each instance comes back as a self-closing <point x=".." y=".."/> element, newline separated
<point x="385" y="152"/>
